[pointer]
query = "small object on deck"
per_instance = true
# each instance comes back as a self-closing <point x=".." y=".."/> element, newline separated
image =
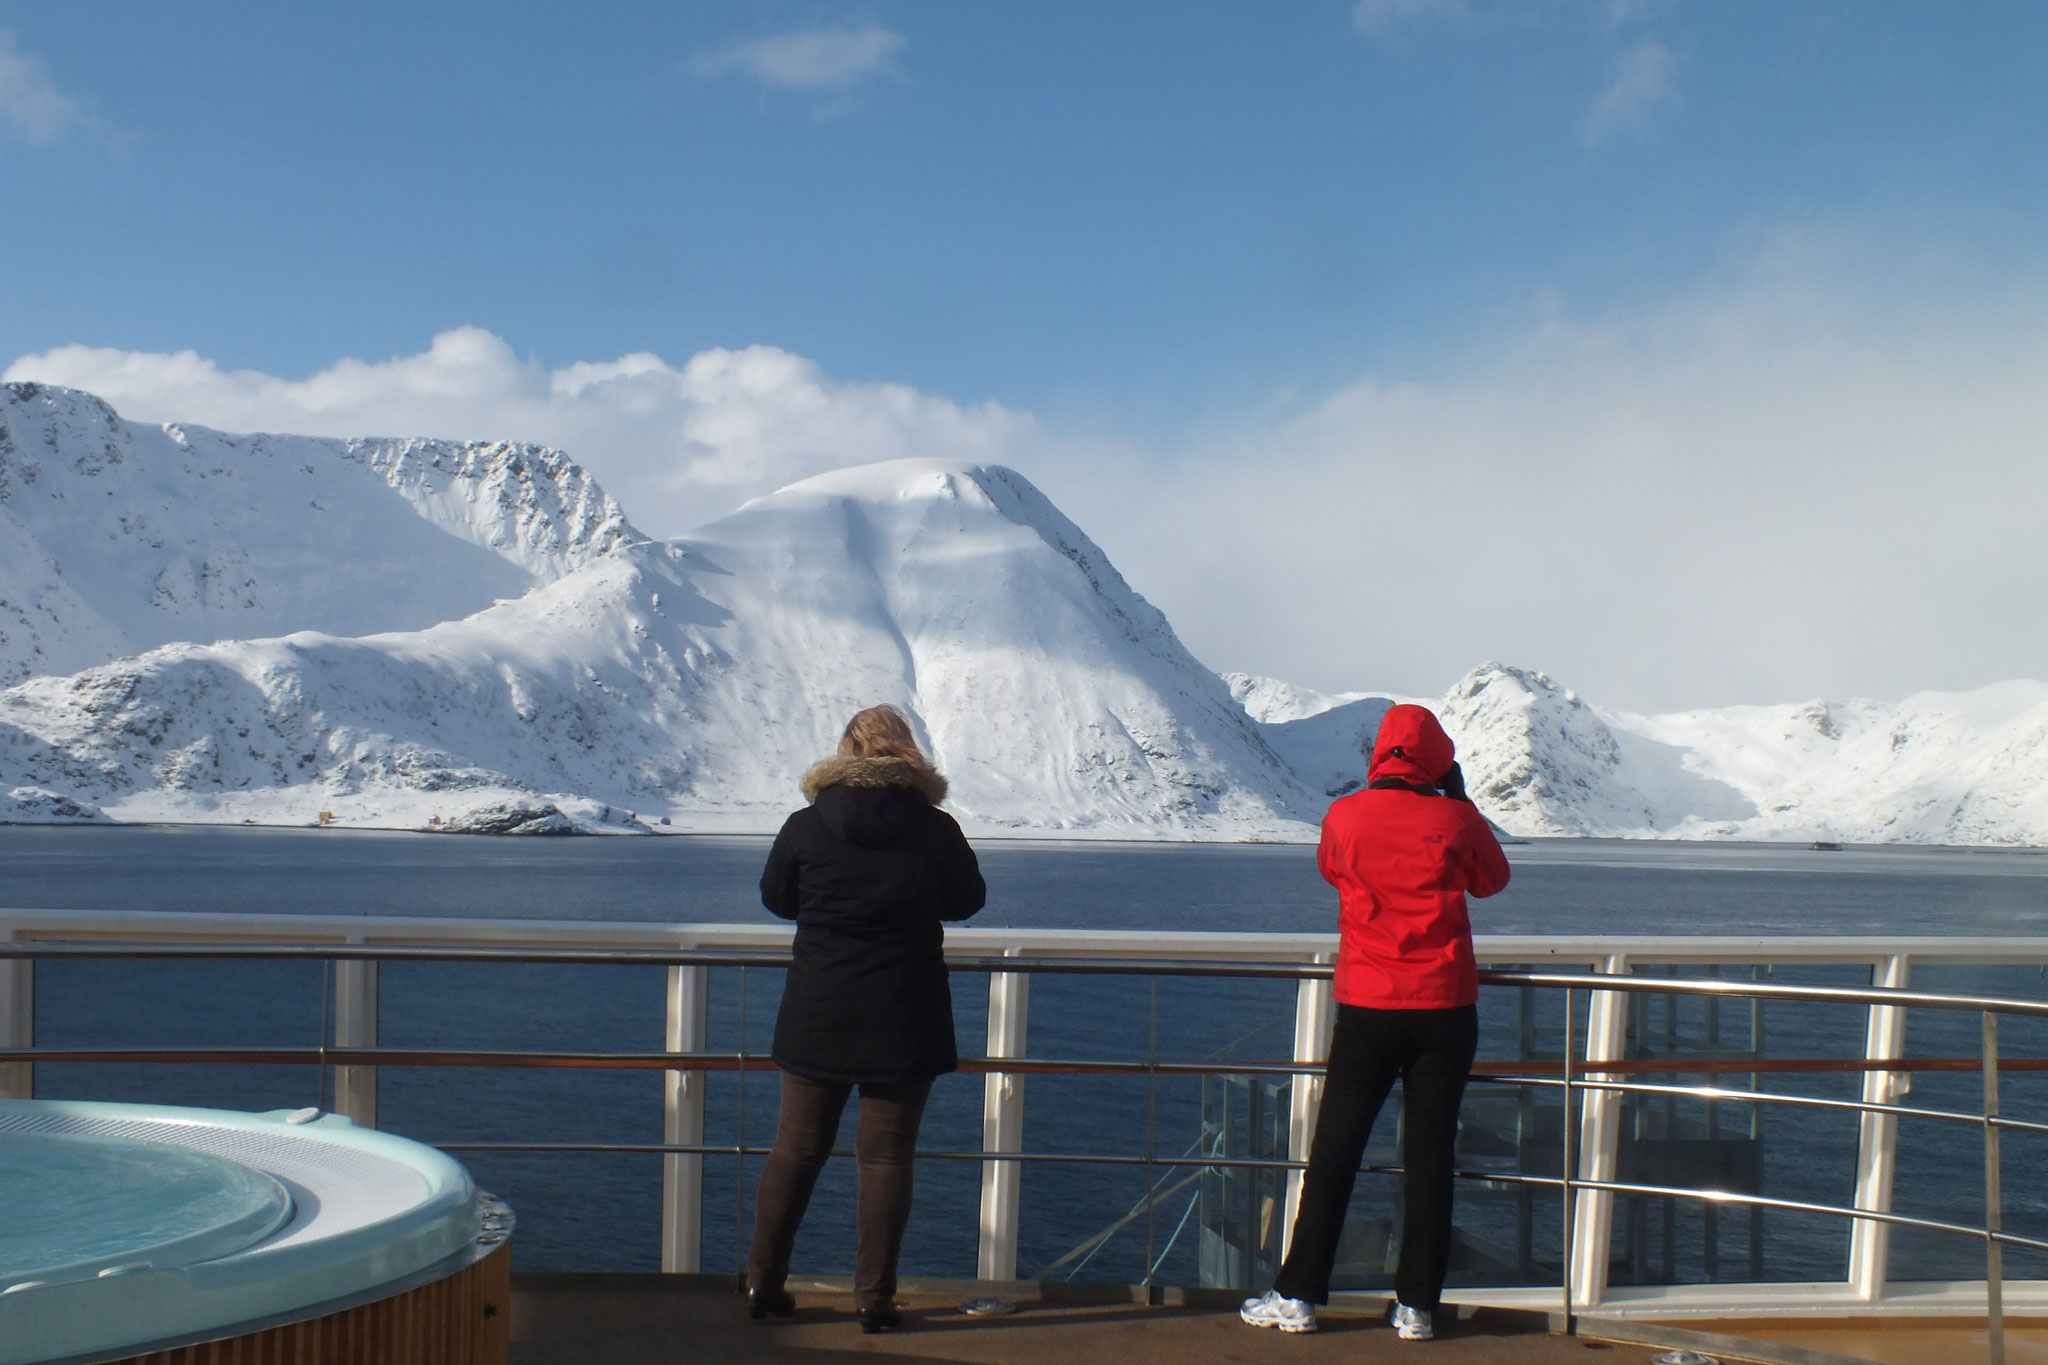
<point x="987" y="1308"/>
<point x="1682" y="1358"/>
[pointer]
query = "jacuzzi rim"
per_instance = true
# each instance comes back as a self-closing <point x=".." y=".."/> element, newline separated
<point x="436" y="1167"/>
<point x="367" y="1262"/>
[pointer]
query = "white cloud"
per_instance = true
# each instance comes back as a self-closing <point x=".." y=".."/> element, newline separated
<point x="1375" y="17"/>
<point x="677" y="446"/>
<point x="812" y="59"/>
<point x="1641" y="86"/>
<point x="36" y="108"/>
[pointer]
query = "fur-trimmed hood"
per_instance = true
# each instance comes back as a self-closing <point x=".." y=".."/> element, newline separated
<point x="873" y="773"/>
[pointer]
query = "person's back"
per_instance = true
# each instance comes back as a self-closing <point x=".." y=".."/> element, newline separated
<point x="1402" y="855"/>
<point x="868" y="870"/>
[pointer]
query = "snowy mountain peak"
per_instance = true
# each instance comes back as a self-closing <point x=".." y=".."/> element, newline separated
<point x="1271" y="701"/>
<point x="531" y="504"/>
<point x="963" y="595"/>
<point x="1535" y="757"/>
<point x="117" y="536"/>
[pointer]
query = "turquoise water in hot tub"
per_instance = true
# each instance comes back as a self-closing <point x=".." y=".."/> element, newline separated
<point x="150" y="1202"/>
<point x="128" y="1227"/>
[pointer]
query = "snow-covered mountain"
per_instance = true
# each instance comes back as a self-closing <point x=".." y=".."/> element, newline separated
<point x="697" y="679"/>
<point x="117" y="536"/>
<point x="1949" y="768"/>
<point x="1271" y="701"/>
<point x="541" y="665"/>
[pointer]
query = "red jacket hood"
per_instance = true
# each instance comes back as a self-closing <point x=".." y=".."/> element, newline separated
<point x="1412" y="746"/>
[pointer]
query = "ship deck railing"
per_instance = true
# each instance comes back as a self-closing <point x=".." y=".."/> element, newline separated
<point x="1596" y="977"/>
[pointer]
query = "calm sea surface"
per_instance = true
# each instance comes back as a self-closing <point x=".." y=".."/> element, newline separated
<point x="601" y="1211"/>
<point x="1560" y="886"/>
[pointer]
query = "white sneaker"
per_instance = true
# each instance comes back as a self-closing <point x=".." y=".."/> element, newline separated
<point x="1412" y="1324"/>
<point x="1274" y="1309"/>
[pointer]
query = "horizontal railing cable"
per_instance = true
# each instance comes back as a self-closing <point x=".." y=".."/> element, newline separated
<point x="1483" y="1069"/>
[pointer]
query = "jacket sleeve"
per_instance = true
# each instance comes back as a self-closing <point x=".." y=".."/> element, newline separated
<point x="1326" y="847"/>
<point x="1486" y="867"/>
<point x="962" y="890"/>
<point x="778" y="879"/>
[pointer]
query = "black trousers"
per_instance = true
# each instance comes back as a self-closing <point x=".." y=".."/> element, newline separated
<point x="883" y="1145"/>
<point x="1430" y="1052"/>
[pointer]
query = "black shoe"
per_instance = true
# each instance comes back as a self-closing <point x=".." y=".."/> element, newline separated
<point x="883" y="1317"/>
<point x="762" y="1304"/>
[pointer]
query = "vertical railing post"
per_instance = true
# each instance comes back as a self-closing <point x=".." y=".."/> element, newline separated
<point x="17" y="1021"/>
<point x="355" y="1025"/>
<point x="1877" y="1139"/>
<point x="1567" y="1159"/>
<point x="1599" y="1141"/>
<point x="1315" y="1015"/>
<point x="1002" y="1124"/>
<point x="1994" y="1219"/>
<point x="682" y="1124"/>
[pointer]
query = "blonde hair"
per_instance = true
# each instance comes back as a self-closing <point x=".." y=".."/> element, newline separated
<point x="882" y="732"/>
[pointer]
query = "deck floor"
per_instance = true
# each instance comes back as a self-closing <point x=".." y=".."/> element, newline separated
<point x="571" y="1326"/>
<point x="677" y="1320"/>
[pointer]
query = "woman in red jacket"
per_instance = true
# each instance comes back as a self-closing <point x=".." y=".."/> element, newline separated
<point x="1403" y="855"/>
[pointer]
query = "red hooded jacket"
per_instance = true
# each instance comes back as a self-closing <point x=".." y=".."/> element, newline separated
<point x="1402" y="862"/>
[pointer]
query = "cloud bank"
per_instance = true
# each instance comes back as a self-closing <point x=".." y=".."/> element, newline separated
<point x="1772" y="488"/>
<point x="1761" y="491"/>
<point x="676" y="445"/>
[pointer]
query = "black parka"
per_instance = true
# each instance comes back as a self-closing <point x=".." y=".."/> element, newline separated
<point x="868" y="871"/>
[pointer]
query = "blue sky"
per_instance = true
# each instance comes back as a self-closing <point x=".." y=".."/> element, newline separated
<point x="1161" y="236"/>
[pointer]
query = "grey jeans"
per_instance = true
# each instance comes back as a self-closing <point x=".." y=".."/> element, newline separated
<point x="883" y="1144"/>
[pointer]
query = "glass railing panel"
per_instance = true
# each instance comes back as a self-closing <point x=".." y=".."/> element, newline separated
<point x="1504" y="1231"/>
<point x="1798" y="1154"/>
<point x="1186" y="1223"/>
<point x="1940" y="1163"/>
<point x="133" y="1004"/>
<point x="576" y="1211"/>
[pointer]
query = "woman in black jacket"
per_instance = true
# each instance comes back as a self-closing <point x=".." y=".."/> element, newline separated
<point x="868" y="871"/>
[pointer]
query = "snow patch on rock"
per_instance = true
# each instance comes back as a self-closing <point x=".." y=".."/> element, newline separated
<point x="35" y="806"/>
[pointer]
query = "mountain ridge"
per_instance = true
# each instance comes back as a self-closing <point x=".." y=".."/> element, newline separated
<point x="474" y="635"/>
<point x="117" y="536"/>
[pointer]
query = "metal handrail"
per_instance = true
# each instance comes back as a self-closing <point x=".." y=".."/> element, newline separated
<point x="60" y="949"/>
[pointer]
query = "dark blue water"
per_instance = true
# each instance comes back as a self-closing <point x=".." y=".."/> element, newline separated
<point x="600" y="1211"/>
<point x="1560" y="886"/>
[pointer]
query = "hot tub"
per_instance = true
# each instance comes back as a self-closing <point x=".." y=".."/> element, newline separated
<point x="126" y="1228"/>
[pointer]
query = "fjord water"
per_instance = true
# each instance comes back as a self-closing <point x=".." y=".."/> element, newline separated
<point x="600" y="1211"/>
